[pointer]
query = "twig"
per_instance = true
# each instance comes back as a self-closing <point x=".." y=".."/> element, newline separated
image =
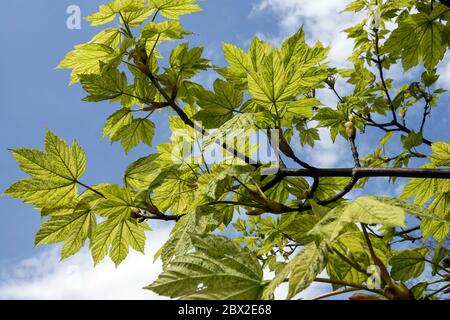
<point x="335" y="293"/>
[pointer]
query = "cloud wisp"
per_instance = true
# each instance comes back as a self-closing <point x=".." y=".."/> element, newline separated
<point x="45" y="277"/>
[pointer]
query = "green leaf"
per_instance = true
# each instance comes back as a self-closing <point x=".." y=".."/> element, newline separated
<point x="67" y="162"/>
<point x="71" y="228"/>
<point x="421" y="189"/>
<point x="437" y="228"/>
<point x="117" y="121"/>
<point x="219" y="269"/>
<point x="164" y="30"/>
<point x="202" y="220"/>
<point x="176" y="191"/>
<point x="441" y="154"/>
<point x="419" y="36"/>
<point x="55" y="173"/>
<point x="297" y="226"/>
<point x="353" y="246"/>
<point x="135" y="16"/>
<point x="110" y="37"/>
<point x="303" y="269"/>
<point x="410" y="208"/>
<point x="217" y="107"/>
<point x="408" y="264"/>
<point x="118" y="202"/>
<point x="43" y="193"/>
<point x="367" y="210"/>
<point x="240" y="65"/>
<point x="302" y="107"/>
<point x="115" y="236"/>
<point x="85" y="59"/>
<point x="134" y="12"/>
<point x="130" y="135"/>
<point x="309" y="136"/>
<point x="172" y="9"/>
<point x="186" y="63"/>
<point x="108" y="85"/>
<point x="419" y="289"/>
<point x="139" y="174"/>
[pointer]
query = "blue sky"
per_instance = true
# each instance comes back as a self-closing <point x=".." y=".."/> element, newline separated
<point x="34" y="96"/>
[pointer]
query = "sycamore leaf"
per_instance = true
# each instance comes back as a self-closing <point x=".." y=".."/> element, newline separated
<point x="441" y="154"/>
<point x="54" y="173"/>
<point x="309" y="136"/>
<point x="118" y="202"/>
<point x="202" y="220"/>
<point x="135" y="16"/>
<point x="240" y="65"/>
<point x="110" y="37"/>
<point x="217" y="107"/>
<point x="219" y="269"/>
<point x="176" y="191"/>
<point x="139" y="174"/>
<point x="438" y="229"/>
<point x="163" y="30"/>
<point x="117" y="121"/>
<point x="71" y="228"/>
<point x="297" y="226"/>
<point x="301" y="107"/>
<point x="434" y="220"/>
<point x="408" y="264"/>
<point x="108" y="85"/>
<point x="115" y="236"/>
<point x="421" y="189"/>
<point x="134" y="11"/>
<point x="130" y="135"/>
<point x="86" y="58"/>
<point x="172" y="9"/>
<point x="367" y="210"/>
<point x="186" y="63"/>
<point x="331" y="225"/>
<point x="353" y="245"/>
<point x="43" y="193"/>
<point x="303" y="269"/>
<point x="419" y="36"/>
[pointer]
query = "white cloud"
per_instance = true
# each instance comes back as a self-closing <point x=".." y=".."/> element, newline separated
<point x="323" y="20"/>
<point x="45" y="277"/>
<point x="444" y="70"/>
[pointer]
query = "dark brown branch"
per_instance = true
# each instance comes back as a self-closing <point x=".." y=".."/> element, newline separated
<point x="355" y="152"/>
<point x="381" y="73"/>
<point x="395" y="123"/>
<point x="401" y="233"/>
<point x="426" y="112"/>
<point x="335" y="293"/>
<point x="341" y="194"/>
<point x="142" y="215"/>
<point x="368" y="172"/>
<point x="347" y="284"/>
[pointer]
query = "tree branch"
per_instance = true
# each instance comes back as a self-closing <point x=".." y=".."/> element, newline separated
<point x="335" y="293"/>
<point x="347" y="284"/>
<point x="183" y="116"/>
<point x="368" y="172"/>
<point x="395" y="123"/>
